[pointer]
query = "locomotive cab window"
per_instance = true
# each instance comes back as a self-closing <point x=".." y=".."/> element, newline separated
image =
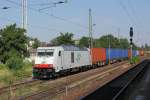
<point x="72" y="57"/>
<point x="49" y="53"/>
<point x="43" y="52"/>
<point x="59" y="53"/>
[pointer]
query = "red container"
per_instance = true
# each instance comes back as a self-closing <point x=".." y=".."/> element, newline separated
<point x="141" y="52"/>
<point x="129" y="53"/>
<point x="98" y="55"/>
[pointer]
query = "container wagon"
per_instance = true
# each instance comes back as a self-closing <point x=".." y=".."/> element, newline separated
<point x="141" y="52"/>
<point x="134" y="53"/>
<point x="116" y="54"/>
<point x="98" y="56"/>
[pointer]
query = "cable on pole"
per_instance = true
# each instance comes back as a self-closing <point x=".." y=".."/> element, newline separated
<point x="51" y="15"/>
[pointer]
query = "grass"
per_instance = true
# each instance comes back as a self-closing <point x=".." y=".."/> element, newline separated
<point x="8" y="76"/>
<point x="5" y="74"/>
<point x="135" y="59"/>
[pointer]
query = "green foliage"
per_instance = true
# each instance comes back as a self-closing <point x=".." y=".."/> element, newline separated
<point x="14" y="63"/>
<point x="27" y="69"/>
<point x="107" y="40"/>
<point x="64" y="38"/>
<point x="124" y="44"/>
<point x="12" y="41"/>
<point x="2" y="66"/>
<point x="134" y="60"/>
<point x="84" y="41"/>
<point x="7" y="78"/>
<point x="36" y="43"/>
<point x="147" y="47"/>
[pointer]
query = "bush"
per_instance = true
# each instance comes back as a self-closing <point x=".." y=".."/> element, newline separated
<point x="2" y="66"/>
<point x="15" y="69"/>
<point x="27" y="69"/>
<point x="7" y="78"/>
<point x="14" y="63"/>
<point x="134" y="60"/>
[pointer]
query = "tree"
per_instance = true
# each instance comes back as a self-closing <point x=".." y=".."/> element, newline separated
<point x="114" y="42"/>
<point x="124" y="43"/>
<point x="135" y="47"/>
<point x="12" y="43"/>
<point x="64" y="38"/>
<point x="147" y="47"/>
<point x="33" y="42"/>
<point x="36" y="43"/>
<point x="84" y="41"/>
<point x="105" y="40"/>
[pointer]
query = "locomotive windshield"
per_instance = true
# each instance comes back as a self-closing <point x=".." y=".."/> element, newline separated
<point x="45" y="52"/>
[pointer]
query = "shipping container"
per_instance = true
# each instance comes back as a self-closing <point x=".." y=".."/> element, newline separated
<point x="129" y="53"/>
<point x="134" y="53"/>
<point x="141" y="52"/>
<point x="124" y="53"/>
<point x="116" y="54"/>
<point x="98" y="55"/>
<point x="137" y="52"/>
<point x="112" y="53"/>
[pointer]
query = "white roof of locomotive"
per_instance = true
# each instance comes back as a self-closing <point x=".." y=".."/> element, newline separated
<point x="66" y="48"/>
<point x="54" y="47"/>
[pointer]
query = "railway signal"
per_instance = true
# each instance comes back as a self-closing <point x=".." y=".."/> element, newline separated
<point x="131" y="32"/>
<point x="131" y="39"/>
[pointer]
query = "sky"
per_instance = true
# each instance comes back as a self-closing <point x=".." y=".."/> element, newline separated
<point x="109" y="16"/>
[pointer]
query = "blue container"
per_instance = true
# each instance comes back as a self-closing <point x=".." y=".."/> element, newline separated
<point x="116" y="53"/>
<point x="134" y="53"/>
<point x="124" y="53"/>
<point x="113" y="53"/>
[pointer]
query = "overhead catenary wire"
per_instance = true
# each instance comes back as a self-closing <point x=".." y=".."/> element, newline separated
<point x="135" y="22"/>
<point x="127" y="13"/>
<point x="139" y="24"/>
<point x="56" y="17"/>
<point x="132" y="16"/>
<point x="32" y="26"/>
<point x="41" y="27"/>
<point x="47" y="7"/>
<point x="130" y="5"/>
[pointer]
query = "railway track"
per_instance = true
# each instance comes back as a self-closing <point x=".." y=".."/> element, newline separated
<point x="18" y="85"/>
<point x="115" y="89"/>
<point x="120" y="94"/>
<point x="71" y="82"/>
<point x="33" y="81"/>
<point x="56" y="83"/>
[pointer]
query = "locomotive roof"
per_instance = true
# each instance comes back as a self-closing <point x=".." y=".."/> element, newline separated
<point x="66" y="48"/>
<point x="72" y="48"/>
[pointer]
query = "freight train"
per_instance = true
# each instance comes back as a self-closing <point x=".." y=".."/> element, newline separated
<point x="59" y="60"/>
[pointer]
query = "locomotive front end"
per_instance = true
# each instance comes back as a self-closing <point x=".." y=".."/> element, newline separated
<point x="44" y="67"/>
